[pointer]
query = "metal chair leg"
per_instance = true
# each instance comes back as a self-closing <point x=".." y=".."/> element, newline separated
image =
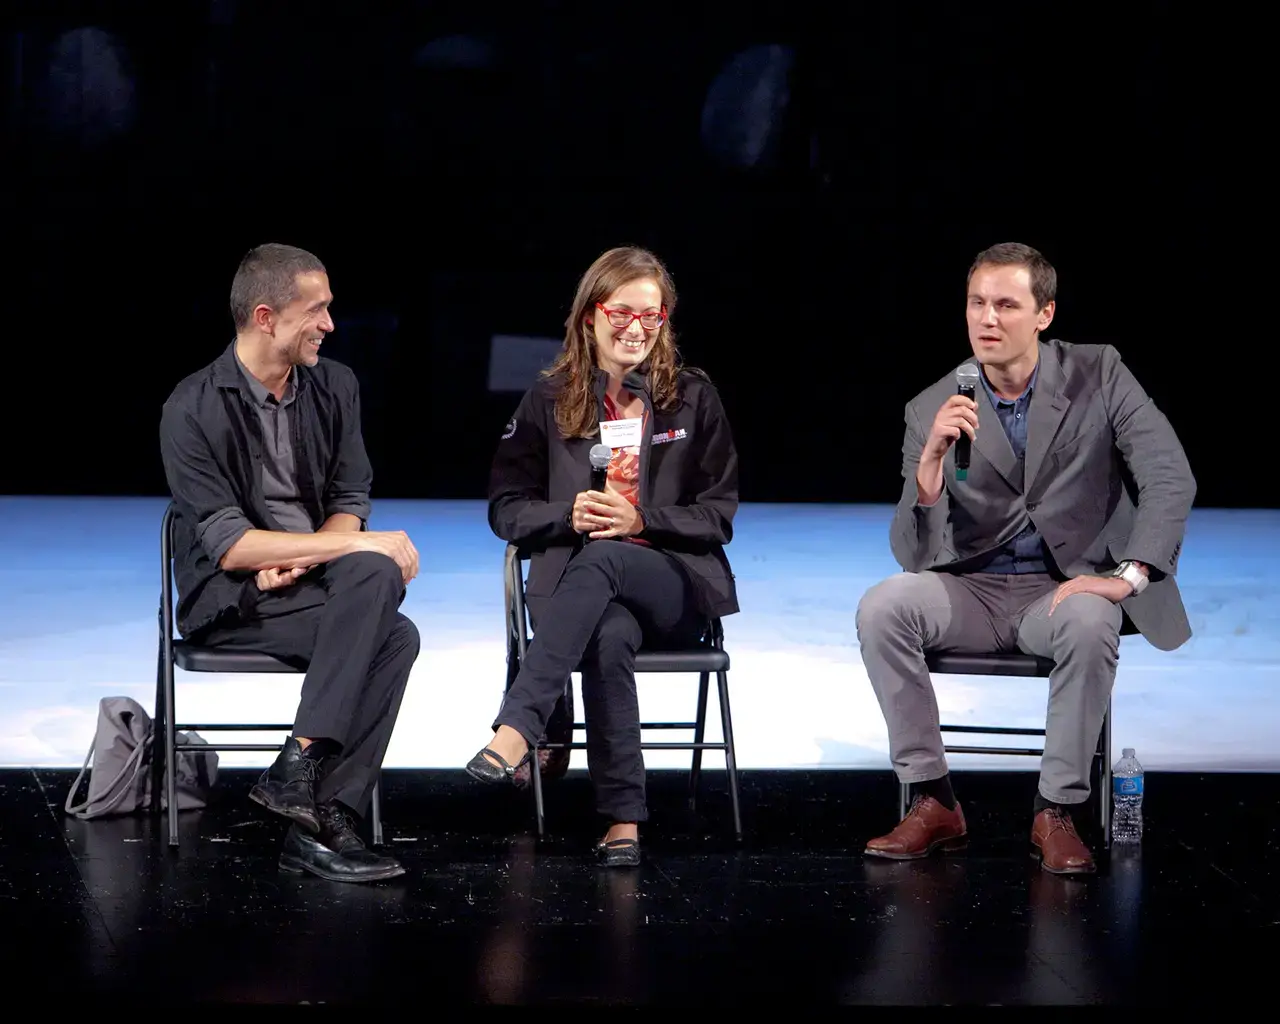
<point x="904" y="799"/>
<point x="157" y="748"/>
<point x="535" y="781"/>
<point x="699" y="735"/>
<point x="376" y="812"/>
<point x="170" y="755"/>
<point x="730" y="757"/>
<point x="1104" y="789"/>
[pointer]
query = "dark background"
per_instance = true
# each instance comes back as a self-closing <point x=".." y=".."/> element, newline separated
<point x="458" y="165"/>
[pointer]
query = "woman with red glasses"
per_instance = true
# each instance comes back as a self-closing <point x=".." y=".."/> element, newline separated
<point x="640" y="562"/>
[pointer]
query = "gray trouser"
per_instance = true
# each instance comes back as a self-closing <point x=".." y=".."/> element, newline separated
<point x="905" y="615"/>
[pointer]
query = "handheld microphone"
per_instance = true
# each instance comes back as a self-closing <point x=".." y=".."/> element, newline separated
<point x="967" y="385"/>
<point x="599" y="455"/>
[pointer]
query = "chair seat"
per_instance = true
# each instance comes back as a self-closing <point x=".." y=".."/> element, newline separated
<point x="988" y="664"/>
<point x="706" y="660"/>
<point x="194" y="658"/>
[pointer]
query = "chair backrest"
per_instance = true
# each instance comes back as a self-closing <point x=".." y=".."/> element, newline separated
<point x="166" y="575"/>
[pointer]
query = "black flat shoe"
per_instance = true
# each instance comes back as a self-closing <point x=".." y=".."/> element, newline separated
<point x="480" y="767"/>
<point x="619" y="853"/>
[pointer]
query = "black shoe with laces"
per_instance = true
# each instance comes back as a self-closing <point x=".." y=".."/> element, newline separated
<point x="288" y="786"/>
<point x="337" y="853"/>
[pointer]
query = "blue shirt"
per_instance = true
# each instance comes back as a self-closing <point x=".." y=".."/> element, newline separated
<point x="1025" y="553"/>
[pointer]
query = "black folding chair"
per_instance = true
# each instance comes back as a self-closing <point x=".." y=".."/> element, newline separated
<point x="706" y="658"/>
<point x="1032" y="667"/>
<point x="194" y="658"/>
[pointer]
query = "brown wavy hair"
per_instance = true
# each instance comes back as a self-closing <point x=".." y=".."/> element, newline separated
<point x="574" y="367"/>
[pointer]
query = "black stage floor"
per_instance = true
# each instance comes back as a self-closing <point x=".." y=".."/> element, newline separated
<point x="795" y="915"/>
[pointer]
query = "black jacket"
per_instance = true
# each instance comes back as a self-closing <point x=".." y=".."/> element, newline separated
<point x="211" y="446"/>
<point x="688" y="486"/>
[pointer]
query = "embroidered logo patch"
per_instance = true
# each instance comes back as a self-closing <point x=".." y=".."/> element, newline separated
<point x="678" y="434"/>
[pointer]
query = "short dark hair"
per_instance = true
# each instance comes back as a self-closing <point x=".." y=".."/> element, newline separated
<point x="268" y="275"/>
<point x="1044" y="279"/>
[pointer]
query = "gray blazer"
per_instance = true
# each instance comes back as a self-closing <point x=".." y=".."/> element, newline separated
<point x="1104" y="479"/>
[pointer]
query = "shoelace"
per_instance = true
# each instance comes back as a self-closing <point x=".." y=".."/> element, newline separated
<point x="340" y="825"/>
<point x="917" y="804"/>
<point x="309" y="768"/>
<point x="1062" y="820"/>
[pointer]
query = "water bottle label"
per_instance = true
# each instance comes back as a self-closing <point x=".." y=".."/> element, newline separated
<point x="1128" y="787"/>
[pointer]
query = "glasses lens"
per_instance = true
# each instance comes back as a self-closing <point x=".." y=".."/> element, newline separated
<point x="651" y="320"/>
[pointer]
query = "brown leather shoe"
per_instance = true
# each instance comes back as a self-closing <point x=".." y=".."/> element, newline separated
<point x="1059" y="847"/>
<point x="928" y="826"/>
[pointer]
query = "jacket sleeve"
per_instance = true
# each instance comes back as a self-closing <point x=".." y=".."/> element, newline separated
<point x="519" y="511"/>
<point x="917" y="532"/>
<point x="199" y="482"/>
<point x="708" y="519"/>
<point x="1158" y="464"/>
<point x="352" y="478"/>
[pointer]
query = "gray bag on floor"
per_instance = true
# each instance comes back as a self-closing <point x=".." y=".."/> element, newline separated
<point x="120" y="782"/>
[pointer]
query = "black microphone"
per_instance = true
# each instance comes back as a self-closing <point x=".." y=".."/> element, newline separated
<point x="967" y="385"/>
<point x="599" y="455"/>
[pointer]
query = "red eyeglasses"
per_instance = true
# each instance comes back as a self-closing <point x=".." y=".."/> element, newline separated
<point x="623" y="317"/>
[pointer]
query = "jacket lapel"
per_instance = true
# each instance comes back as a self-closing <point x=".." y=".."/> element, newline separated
<point x="993" y="442"/>
<point x="637" y="382"/>
<point x="1048" y="406"/>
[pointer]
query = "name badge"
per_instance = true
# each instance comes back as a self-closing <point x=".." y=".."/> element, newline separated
<point x="621" y="433"/>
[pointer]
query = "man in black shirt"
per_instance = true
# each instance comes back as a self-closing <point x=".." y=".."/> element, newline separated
<point x="266" y="463"/>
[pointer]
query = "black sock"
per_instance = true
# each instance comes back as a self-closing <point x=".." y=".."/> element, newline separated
<point x="355" y="818"/>
<point x="940" y="790"/>
<point x="318" y="750"/>
<point x="1042" y="804"/>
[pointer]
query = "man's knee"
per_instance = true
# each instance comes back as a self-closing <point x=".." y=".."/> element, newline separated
<point x="1087" y="623"/>
<point x="889" y="601"/>
<point x="365" y="567"/>
<point x="405" y="637"/>
<point x="397" y="655"/>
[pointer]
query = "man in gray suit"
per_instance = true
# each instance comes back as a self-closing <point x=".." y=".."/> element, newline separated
<point x="1064" y="532"/>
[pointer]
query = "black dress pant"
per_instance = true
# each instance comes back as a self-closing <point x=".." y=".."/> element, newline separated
<point x="342" y="622"/>
<point x="613" y="598"/>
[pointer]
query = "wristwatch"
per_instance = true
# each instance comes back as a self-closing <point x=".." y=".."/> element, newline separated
<point x="1132" y="575"/>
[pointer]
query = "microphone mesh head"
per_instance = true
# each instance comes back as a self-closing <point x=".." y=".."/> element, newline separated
<point x="600" y="455"/>
<point x="967" y="376"/>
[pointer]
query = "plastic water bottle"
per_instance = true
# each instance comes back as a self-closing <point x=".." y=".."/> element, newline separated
<point x="1126" y="813"/>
